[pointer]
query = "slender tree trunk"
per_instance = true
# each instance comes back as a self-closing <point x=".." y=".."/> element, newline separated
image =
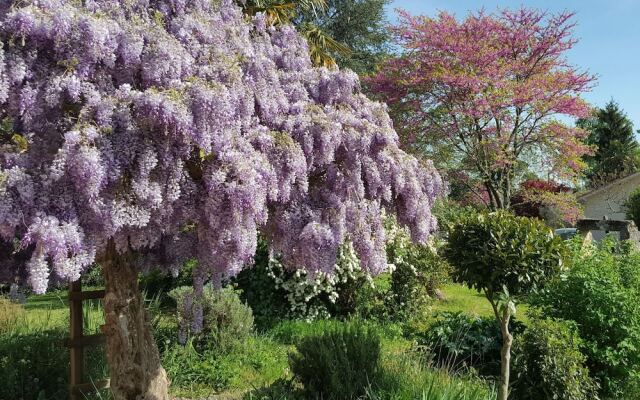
<point x="505" y="356"/>
<point x="507" y="341"/>
<point x="132" y="354"/>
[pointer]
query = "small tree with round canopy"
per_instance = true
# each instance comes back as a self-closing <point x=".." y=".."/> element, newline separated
<point x="143" y="133"/>
<point x="503" y="256"/>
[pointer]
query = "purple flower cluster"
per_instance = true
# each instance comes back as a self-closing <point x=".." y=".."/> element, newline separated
<point x="178" y="129"/>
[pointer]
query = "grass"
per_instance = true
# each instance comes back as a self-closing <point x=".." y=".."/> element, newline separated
<point x="403" y="377"/>
<point x="258" y="369"/>
<point x="406" y="378"/>
<point x="34" y="362"/>
<point x="461" y="298"/>
<point x="50" y="311"/>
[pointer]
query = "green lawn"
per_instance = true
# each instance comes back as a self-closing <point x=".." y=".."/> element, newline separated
<point x="50" y="311"/>
<point x="459" y="298"/>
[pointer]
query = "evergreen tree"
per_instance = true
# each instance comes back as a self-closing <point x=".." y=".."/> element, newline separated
<point x="616" y="148"/>
<point x="345" y="33"/>
<point x="359" y="25"/>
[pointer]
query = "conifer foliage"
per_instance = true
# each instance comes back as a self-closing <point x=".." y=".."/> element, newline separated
<point x="616" y="148"/>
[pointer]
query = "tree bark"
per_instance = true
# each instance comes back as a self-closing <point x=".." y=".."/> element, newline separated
<point x="132" y="353"/>
<point x="505" y="356"/>
<point x="507" y="341"/>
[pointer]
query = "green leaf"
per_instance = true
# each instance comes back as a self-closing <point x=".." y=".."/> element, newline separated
<point x="21" y="142"/>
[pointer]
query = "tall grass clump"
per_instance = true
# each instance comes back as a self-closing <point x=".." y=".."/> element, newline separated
<point x="405" y="377"/>
<point x="10" y="314"/>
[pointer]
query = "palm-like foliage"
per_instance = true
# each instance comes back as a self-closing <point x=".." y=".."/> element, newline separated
<point x="321" y="45"/>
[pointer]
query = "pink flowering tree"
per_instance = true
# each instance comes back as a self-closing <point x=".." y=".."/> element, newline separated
<point x="550" y="201"/>
<point x="141" y="134"/>
<point x="488" y="94"/>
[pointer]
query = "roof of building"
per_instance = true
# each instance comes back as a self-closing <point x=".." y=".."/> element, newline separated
<point x="608" y="186"/>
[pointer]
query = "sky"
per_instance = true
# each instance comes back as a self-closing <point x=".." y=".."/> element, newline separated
<point x="608" y="34"/>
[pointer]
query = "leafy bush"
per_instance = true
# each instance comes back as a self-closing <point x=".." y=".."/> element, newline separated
<point x="450" y="213"/>
<point x="504" y="257"/>
<point x="340" y="363"/>
<point x="457" y="342"/>
<point x="275" y="293"/>
<point x="548" y="364"/>
<point x="258" y="289"/>
<point x="227" y="321"/>
<point x="93" y="276"/>
<point x="10" y="313"/>
<point x="417" y="273"/>
<point x="602" y="296"/>
<point x="632" y="206"/>
<point x="157" y="283"/>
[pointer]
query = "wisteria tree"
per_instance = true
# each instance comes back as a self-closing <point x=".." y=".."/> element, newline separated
<point x="142" y="133"/>
<point x="487" y="94"/>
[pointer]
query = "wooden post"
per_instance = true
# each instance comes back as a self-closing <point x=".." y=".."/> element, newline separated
<point x="78" y="341"/>
<point x="76" y="352"/>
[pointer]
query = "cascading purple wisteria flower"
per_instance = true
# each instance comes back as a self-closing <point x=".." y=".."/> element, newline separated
<point x="180" y="128"/>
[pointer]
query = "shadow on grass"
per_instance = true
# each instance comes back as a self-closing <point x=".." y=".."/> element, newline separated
<point x="36" y="365"/>
<point x="282" y="389"/>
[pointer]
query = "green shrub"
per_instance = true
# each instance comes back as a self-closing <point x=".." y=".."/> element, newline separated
<point x="371" y="299"/>
<point x="157" y="283"/>
<point x="227" y="321"/>
<point x="275" y="293"/>
<point x="632" y="206"/>
<point x="93" y="277"/>
<point x="258" y="289"/>
<point x="339" y="363"/>
<point x="417" y="273"/>
<point x="548" y="364"/>
<point x="601" y="295"/>
<point x="458" y="342"/>
<point x="450" y="213"/>
<point x="10" y="314"/>
<point x="504" y="257"/>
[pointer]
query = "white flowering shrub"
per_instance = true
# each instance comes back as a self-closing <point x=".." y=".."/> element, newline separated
<point x="320" y="295"/>
<point x="416" y="271"/>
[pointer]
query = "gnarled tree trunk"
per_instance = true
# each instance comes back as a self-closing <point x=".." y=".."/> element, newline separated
<point x="132" y="354"/>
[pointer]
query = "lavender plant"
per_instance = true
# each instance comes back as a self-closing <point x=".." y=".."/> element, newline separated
<point x="141" y="133"/>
